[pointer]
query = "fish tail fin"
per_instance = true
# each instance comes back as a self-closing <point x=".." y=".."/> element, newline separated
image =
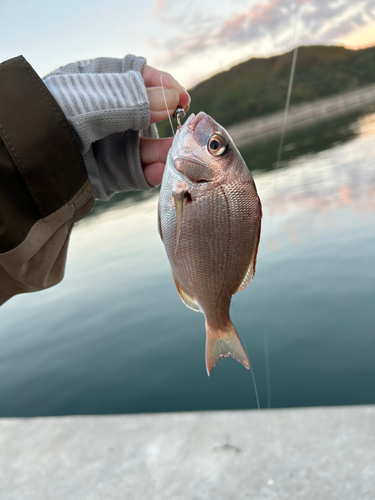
<point x="222" y="342"/>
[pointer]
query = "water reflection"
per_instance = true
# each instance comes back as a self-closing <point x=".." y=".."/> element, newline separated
<point x="326" y="183"/>
<point x="320" y="137"/>
<point x="123" y="200"/>
<point x="114" y="336"/>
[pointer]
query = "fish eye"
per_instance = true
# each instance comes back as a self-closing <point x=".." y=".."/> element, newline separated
<point x="217" y="145"/>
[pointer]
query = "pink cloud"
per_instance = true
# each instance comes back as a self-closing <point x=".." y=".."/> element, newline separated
<point x="320" y="21"/>
<point x="159" y="5"/>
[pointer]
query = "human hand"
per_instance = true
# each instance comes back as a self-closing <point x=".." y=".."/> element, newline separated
<point x="107" y="102"/>
<point x="153" y="152"/>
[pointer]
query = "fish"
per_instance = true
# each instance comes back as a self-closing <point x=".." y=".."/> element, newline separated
<point x="209" y="220"/>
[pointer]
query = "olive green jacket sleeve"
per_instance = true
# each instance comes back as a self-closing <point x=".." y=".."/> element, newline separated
<point x="44" y="186"/>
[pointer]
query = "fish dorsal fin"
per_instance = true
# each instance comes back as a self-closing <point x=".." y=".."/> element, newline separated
<point x="159" y="224"/>
<point x="186" y="297"/>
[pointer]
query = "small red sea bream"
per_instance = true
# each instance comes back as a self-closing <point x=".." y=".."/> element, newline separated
<point x="209" y="221"/>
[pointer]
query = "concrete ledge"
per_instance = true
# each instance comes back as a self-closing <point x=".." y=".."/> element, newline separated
<point x="317" y="453"/>
<point x="303" y="115"/>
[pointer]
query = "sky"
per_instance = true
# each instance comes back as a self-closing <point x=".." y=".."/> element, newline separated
<point x="191" y="39"/>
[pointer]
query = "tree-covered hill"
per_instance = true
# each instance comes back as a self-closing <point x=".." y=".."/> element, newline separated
<point x="259" y="85"/>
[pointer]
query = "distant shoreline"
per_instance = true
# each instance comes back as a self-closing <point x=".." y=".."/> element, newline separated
<point x="302" y="115"/>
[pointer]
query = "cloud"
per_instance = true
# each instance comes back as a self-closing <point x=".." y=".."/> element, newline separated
<point x="345" y="27"/>
<point x="318" y="21"/>
<point x="159" y="7"/>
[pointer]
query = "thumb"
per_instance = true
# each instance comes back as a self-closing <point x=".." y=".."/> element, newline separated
<point x="163" y="103"/>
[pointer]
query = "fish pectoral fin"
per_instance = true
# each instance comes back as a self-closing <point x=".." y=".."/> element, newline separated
<point x="179" y="195"/>
<point x="188" y="299"/>
<point x="222" y="343"/>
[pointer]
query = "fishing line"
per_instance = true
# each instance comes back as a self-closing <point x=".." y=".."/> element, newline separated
<point x="251" y="365"/>
<point x="248" y="357"/>
<point x="255" y="385"/>
<point x="268" y="381"/>
<point x="286" y="111"/>
<point x="290" y="86"/>
<point x="166" y="106"/>
<point x="281" y="145"/>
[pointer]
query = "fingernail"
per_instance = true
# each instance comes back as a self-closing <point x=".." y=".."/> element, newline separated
<point x="157" y="99"/>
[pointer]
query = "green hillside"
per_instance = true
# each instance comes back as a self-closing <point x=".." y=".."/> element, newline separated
<point x="259" y="85"/>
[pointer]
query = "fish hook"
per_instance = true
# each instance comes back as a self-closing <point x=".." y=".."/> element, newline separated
<point x="179" y="115"/>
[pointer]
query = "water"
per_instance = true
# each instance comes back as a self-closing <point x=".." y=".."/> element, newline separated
<point x="114" y="336"/>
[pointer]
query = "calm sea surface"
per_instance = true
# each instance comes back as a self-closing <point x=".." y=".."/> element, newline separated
<point x="114" y="337"/>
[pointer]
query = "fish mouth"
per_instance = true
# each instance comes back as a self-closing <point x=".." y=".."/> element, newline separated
<point x="193" y="122"/>
<point x="181" y="150"/>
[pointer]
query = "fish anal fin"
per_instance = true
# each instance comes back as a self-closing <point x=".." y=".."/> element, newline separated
<point x="248" y="277"/>
<point x="251" y="269"/>
<point x="186" y="297"/>
<point x="222" y="343"/>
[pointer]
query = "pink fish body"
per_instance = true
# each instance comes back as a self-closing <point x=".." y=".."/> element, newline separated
<point x="209" y="221"/>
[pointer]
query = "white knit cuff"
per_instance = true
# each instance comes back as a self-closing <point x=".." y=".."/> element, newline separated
<point x="105" y="101"/>
<point x="98" y="105"/>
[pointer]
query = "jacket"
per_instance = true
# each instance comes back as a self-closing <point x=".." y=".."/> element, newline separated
<point x="44" y="186"/>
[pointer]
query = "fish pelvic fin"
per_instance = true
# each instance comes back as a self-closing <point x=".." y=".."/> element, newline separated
<point x="186" y="297"/>
<point x="222" y="343"/>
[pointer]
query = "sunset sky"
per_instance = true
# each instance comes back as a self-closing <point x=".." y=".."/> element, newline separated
<point x="191" y="39"/>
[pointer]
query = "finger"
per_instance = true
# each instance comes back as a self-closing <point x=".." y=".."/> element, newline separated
<point x="154" y="150"/>
<point x="154" y="173"/>
<point x="163" y="103"/>
<point x="155" y="78"/>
